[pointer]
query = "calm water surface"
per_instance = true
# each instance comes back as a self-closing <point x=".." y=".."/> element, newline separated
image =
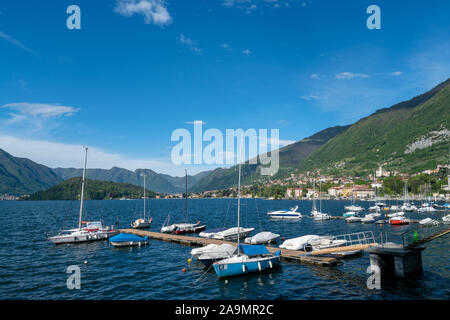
<point x="31" y="267"/>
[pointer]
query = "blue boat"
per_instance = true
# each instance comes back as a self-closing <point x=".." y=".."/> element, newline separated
<point x="255" y="258"/>
<point x="127" y="240"/>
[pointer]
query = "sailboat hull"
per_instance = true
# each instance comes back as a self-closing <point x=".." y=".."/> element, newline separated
<point x="192" y="230"/>
<point x="226" y="270"/>
<point x="79" y="238"/>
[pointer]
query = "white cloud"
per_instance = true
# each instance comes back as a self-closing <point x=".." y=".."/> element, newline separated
<point x="314" y="76"/>
<point x="249" y="5"/>
<point x="192" y="45"/>
<point x="312" y="97"/>
<point x="247" y="52"/>
<point x="23" y="111"/>
<point x="351" y="75"/>
<point x="17" y="43"/>
<point x="225" y="46"/>
<point x="396" y="73"/>
<point x="154" y="11"/>
<point x="196" y="122"/>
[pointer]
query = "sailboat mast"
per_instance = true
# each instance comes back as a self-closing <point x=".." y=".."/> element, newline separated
<point x="82" y="189"/>
<point x="239" y="206"/>
<point x="314" y="195"/>
<point x="320" y="198"/>
<point x="186" y="203"/>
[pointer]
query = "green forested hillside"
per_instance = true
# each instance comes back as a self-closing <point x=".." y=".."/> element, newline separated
<point x="94" y="190"/>
<point x="19" y="176"/>
<point x="289" y="157"/>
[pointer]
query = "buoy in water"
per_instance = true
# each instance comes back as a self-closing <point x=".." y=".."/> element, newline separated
<point x="85" y="261"/>
<point x="189" y="260"/>
<point x="282" y="238"/>
<point x="184" y="270"/>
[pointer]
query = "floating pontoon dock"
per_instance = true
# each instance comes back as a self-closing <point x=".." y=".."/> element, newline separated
<point x="288" y="255"/>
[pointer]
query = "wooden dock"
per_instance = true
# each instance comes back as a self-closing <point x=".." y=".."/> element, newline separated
<point x="287" y="255"/>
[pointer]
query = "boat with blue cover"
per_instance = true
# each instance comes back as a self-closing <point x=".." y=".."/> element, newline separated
<point x="255" y="258"/>
<point x="128" y="240"/>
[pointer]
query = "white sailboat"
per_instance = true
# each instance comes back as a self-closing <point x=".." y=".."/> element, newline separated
<point x="142" y="222"/>
<point x="92" y="231"/>
<point x="353" y="207"/>
<point x="181" y="228"/>
<point x="249" y="258"/>
<point x="318" y="214"/>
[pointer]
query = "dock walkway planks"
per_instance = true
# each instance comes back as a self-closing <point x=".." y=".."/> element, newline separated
<point x="288" y="255"/>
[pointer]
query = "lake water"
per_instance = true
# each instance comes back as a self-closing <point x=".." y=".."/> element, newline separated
<point x="31" y="267"/>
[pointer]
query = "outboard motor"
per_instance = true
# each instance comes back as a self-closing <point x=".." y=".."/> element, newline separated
<point x="307" y="247"/>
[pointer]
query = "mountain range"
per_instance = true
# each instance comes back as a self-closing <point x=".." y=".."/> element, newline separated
<point x="409" y="137"/>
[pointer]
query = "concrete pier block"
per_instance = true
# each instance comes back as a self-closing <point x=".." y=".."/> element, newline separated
<point x="395" y="261"/>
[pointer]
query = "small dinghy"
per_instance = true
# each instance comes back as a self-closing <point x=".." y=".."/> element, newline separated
<point x="262" y="238"/>
<point x="128" y="240"/>
<point x="211" y="232"/>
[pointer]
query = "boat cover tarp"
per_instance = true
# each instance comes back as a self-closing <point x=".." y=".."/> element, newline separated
<point x="252" y="250"/>
<point x="123" y="237"/>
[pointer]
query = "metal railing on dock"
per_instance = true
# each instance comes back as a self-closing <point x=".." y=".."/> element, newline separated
<point x="416" y="238"/>
<point x="348" y="242"/>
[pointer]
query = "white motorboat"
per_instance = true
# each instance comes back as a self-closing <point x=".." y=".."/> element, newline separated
<point x="232" y="233"/>
<point x="426" y="209"/>
<point x="353" y="219"/>
<point x="395" y="208"/>
<point x="262" y="238"/>
<point x="285" y="214"/>
<point x="142" y="222"/>
<point x="354" y="208"/>
<point x="92" y="231"/>
<point x="375" y="208"/>
<point x="368" y="219"/>
<point x="209" y="233"/>
<point x="396" y="214"/>
<point x="428" y="222"/>
<point x="326" y="243"/>
<point x="446" y="219"/>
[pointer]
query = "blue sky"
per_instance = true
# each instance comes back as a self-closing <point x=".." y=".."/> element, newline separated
<point x="139" y="69"/>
